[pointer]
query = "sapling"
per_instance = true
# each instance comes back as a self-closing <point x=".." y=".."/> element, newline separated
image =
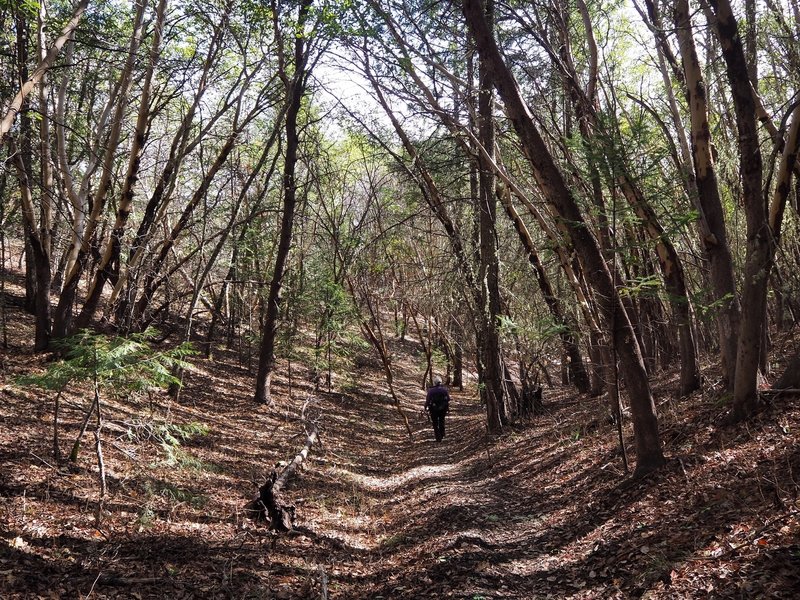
<point x="117" y="366"/>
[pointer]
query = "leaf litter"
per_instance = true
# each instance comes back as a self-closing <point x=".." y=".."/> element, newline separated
<point x="543" y="511"/>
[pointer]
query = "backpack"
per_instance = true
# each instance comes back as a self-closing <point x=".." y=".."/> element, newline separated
<point x="440" y="400"/>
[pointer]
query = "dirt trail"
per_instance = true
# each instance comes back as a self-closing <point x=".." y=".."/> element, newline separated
<point x="399" y="501"/>
<point x="425" y="519"/>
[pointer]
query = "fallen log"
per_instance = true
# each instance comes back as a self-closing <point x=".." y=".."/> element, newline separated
<point x="270" y="502"/>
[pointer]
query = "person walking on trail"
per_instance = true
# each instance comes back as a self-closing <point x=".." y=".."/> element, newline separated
<point x="437" y="404"/>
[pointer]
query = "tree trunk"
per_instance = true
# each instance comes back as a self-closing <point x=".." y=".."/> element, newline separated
<point x="714" y="237"/>
<point x="22" y="156"/>
<point x="458" y="355"/>
<point x="584" y="102"/>
<point x="153" y="278"/>
<point x="492" y="392"/>
<point x="296" y="88"/>
<point x="270" y="499"/>
<point x="46" y="167"/>
<point x="39" y="254"/>
<point x="597" y="354"/>
<point x="758" y="260"/>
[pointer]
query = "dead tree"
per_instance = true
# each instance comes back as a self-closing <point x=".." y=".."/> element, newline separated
<point x="270" y="501"/>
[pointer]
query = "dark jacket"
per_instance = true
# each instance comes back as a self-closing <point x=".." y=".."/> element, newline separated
<point x="437" y="399"/>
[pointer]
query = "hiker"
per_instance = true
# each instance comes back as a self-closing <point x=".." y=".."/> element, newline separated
<point x="437" y="403"/>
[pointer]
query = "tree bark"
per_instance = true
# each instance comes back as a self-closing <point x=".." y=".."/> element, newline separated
<point x="492" y="392"/>
<point x="39" y="251"/>
<point x="46" y="167"/>
<point x="714" y="237"/>
<point x="760" y="242"/>
<point x="22" y="153"/>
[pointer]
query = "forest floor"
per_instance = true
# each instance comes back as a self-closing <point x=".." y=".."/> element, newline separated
<point x="542" y="511"/>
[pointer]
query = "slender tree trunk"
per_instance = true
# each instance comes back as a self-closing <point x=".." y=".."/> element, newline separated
<point x="22" y="155"/>
<point x="68" y="183"/>
<point x="46" y="166"/>
<point x="371" y="328"/>
<point x="39" y="251"/>
<point x="488" y="271"/>
<point x="200" y="282"/>
<point x="758" y="260"/>
<point x="458" y="355"/>
<point x="751" y="55"/>
<point x="584" y="102"/>
<point x="295" y="90"/>
<point x="598" y="356"/>
<point x="714" y="237"/>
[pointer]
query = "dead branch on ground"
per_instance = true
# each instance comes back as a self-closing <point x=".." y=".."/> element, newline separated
<point x="270" y="501"/>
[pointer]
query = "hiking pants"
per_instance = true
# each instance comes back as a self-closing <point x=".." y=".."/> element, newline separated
<point x="437" y="418"/>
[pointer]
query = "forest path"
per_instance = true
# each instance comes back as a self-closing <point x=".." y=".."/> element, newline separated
<point x="413" y="518"/>
<point x="379" y="515"/>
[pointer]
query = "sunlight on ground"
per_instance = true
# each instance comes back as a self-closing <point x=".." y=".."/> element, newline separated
<point x="394" y="481"/>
